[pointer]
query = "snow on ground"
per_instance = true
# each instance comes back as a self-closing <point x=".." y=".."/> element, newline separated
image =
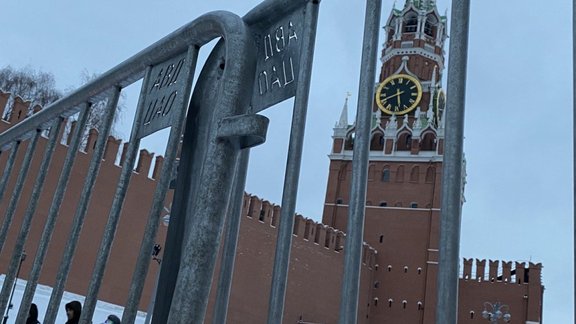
<point x="42" y="296"/>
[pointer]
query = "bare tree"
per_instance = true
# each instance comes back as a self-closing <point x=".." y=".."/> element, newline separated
<point x="98" y="109"/>
<point x="40" y="88"/>
<point x="29" y="84"/>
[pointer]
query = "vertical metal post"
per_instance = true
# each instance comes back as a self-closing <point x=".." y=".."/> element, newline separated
<point x="232" y="229"/>
<point x="292" y="174"/>
<point x="209" y="203"/>
<point x="17" y="191"/>
<point x="21" y="259"/>
<point x="450" y="215"/>
<point x="143" y="261"/>
<point x="574" y="146"/>
<point x="81" y="209"/>
<point x="18" y="249"/>
<point x="355" y="228"/>
<point x="8" y="168"/>
<point x="113" y="218"/>
<point x="52" y="214"/>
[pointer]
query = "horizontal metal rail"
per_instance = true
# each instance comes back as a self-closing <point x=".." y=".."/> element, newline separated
<point x="196" y="33"/>
<point x="188" y="38"/>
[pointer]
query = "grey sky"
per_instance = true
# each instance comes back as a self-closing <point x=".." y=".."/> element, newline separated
<point x="518" y="109"/>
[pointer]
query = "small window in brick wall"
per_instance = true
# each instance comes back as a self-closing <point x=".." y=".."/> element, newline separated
<point x="413" y="205"/>
<point x="261" y="217"/>
<point x="386" y="175"/>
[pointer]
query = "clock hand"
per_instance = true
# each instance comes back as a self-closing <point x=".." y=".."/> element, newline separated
<point x="398" y="93"/>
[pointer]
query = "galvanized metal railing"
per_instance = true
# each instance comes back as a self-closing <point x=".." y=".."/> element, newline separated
<point x="181" y="46"/>
<point x="220" y="122"/>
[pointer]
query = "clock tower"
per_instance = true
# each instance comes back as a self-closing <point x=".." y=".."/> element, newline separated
<point x="406" y="147"/>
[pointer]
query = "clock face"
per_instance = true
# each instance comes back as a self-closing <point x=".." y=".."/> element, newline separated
<point x="439" y="105"/>
<point x="398" y="94"/>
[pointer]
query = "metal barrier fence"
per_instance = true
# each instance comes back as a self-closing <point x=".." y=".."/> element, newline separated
<point x="241" y="77"/>
<point x="238" y="80"/>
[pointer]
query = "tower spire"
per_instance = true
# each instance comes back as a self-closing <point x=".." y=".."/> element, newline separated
<point x="343" y="122"/>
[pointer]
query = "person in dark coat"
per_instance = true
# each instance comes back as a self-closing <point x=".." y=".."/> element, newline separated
<point x="32" y="315"/>
<point x="73" y="312"/>
<point x="113" y="319"/>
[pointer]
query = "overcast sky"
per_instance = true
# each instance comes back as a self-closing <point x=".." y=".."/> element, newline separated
<point x="518" y="109"/>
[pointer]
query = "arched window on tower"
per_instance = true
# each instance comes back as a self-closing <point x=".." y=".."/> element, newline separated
<point x="390" y="32"/>
<point x="428" y="142"/>
<point x="349" y="143"/>
<point x="404" y="142"/>
<point x="430" y="26"/>
<point x="411" y="23"/>
<point x="386" y="174"/>
<point x="377" y="142"/>
<point x="400" y="174"/>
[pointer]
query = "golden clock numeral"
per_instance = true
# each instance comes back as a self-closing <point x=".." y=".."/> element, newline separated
<point x="405" y="107"/>
<point x="400" y="80"/>
<point x="414" y="94"/>
<point x="412" y="87"/>
<point x="389" y="107"/>
<point x="396" y="108"/>
<point x="411" y="101"/>
<point x="392" y="82"/>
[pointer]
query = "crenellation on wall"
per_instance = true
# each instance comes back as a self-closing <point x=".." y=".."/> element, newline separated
<point x="62" y="134"/>
<point x="467" y="269"/>
<point x="502" y="272"/>
<point x="266" y="212"/>
<point x="309" y="229"/>
<point x="144" y="162"/>
<point x="330" y="242"/>
<point x="20" y="109"/>
<point x="299" y="225"/>
<point x="91" y="140"/>
<point x="123" y="155"/>
<point x="535" y="274"/>
<point x="111" y="149"/>
<point x="157" y="167"/>
<point x="520" y="272"/>
<point x="306" y="229"/>
<point x="480" y="269"/>
<point x="254" y="207"/>
<point x="246" y="203"/>
<point x="320" y="236"/>
<point x="506" y="271"/>
<point x="4" y="97"/>
<point x="492" y="270"/>
<point x="276" y="215"/>
<point x="73" y="126"/>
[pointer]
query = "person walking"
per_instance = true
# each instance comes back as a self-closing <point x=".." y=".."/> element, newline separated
<point x="32" y="315"/>
<point x="73" y="312"/>
<point x="112" y="319"/>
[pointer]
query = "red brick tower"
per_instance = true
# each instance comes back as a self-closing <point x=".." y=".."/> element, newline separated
<point x="404" y="176"/>
<point x="403" y="197"/>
